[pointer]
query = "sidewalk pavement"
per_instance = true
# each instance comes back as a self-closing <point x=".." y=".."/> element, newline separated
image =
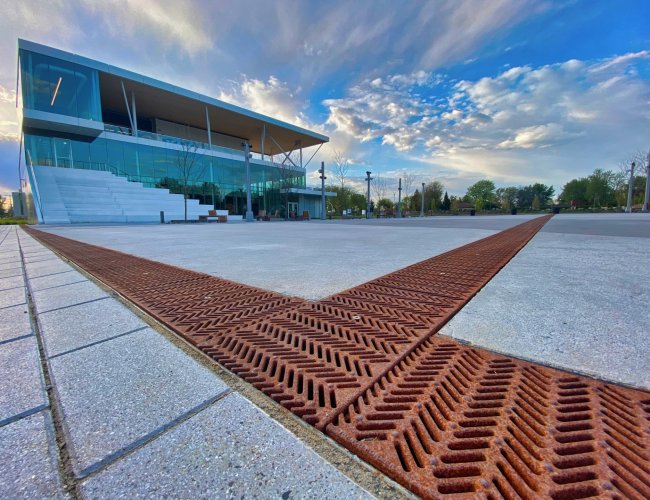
<point x="129" y="413"/>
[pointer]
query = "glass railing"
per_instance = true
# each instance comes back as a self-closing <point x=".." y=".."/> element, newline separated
<point x="117" y="129"/>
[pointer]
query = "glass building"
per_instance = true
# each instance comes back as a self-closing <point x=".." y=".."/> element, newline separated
<point x="85" y="122"/>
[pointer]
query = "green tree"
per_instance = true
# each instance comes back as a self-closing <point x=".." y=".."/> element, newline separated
<point x="386" y="207"/>
<point x="482" y="193"/>
<point x="446" y="202"/>
<point x="433" y="195"/>
<point x="3" y="210"/>
<point x="575" y="191"/>
<point x="507" y="197"/>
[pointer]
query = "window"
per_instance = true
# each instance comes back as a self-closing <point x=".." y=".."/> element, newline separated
<point x="57" y="86"/>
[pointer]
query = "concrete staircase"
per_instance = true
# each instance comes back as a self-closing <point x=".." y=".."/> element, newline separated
<point x="70" y="196"/>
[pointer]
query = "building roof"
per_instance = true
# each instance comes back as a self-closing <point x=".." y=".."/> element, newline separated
<point x="186" y="106"/>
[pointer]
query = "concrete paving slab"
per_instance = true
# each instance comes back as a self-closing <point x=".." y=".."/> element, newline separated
<point x="230" y="450"/>
<point x="55" y="280"/>
<point x="12" y="297"/>
<point x="10" y="273"/>
<point x="50" y="266"/>
<point x="118" y="392"/>
<point x="29" y="459"/>
<point x="21" y="383"/>
<point x="575" y="301"/>
<point x="67" y="295"/>
<point x="487" y="222"/>
<point x="77" y="326"/>
<point x="305" y="259"/>
<point x="14" y="263"/>
<point x="15" y="322"/>
<point x="635" y="225"/>
<point x="12" y="282"/>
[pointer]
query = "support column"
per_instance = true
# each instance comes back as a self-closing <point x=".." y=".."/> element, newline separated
<point x="135" y="134"/>
<point x="249" y="206"/>
<point x="263" y="140"/>
<point x="323" y="208"/>
<point x="208" y="128"/>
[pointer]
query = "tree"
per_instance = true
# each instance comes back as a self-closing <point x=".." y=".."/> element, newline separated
<point x="446" y="202"/>
<point x="526" y="195"/>
<point x="407" y="183"/>
<point x="574" y="192"/>
<point x="507" y="197"/>
<point x="385" y="207"/>
<point x="433" y="195"/>
<point x="340" y="168"/>
<point x="482" y="193"/>
<point x="378" y="185"/>
<point x="189" y="170"/>
<point x="3" y="211"/>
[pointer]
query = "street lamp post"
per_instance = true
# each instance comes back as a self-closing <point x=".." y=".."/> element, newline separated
<point x="249" y="206"/>
<point x="323" y="211"/>
<point x="422" y="203"/>
<point x="630" y="189"/>
<point x="646" y="198"/>
<point x="399" y="199"/>
<point x="368" y="179"/>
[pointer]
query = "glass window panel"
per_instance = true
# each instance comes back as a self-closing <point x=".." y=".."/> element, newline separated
<point x="56" y="86"/>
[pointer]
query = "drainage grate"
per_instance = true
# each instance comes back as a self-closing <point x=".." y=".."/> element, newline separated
<point x="451" y="419"/>
<point x="363" y="364"/>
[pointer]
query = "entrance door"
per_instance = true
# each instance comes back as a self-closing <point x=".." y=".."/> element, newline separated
<point x="292" y="207"/>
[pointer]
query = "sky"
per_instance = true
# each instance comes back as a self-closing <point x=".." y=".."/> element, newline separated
<point x="516" y="91"/>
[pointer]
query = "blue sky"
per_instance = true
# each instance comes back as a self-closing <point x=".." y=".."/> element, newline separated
<point x="517" y="91"/>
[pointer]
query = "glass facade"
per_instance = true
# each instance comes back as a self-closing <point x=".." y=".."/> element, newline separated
<point x="61" y="87"/>
<point x="157" y="154"/>
<point x="215" y="181"/>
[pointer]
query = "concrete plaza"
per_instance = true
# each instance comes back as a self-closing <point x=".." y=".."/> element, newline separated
<point x="137" y="413"/>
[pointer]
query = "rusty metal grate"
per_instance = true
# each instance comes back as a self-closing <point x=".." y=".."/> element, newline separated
<point x="364" y="365"/>
<point x="453" y="420"/>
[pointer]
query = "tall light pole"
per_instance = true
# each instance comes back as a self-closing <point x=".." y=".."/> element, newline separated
<point x="630" y="189"/>
<point x="399" y="199"/>
<point x="646" y="198"/>
<point x="321" y="171"/>
<point x="368" y="179"/>
<point x="247" y="157"/>
<point x="422" y="204"/>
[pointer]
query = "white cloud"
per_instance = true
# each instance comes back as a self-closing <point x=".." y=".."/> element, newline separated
<point x="273" y="98"/>
<point x="8" y="118"/>
<point x="177" y="23"/>
<point x="526" y="123"/>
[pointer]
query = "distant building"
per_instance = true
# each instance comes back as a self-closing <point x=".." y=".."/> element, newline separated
<point x="103" y="144"/>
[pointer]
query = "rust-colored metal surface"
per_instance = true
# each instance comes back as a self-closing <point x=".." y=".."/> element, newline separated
<point x="452" y="420"/>
<point x="364" y="365"/>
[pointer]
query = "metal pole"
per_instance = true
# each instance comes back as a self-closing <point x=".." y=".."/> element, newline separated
<point x="399" y="199"/>
<point x="249" y="206"/>
<point x="646" y="198"/>
<point x="630" y="189"/>
<point x="323" y="209"/>
<point x="368" y="179"/>
<point x="209" y="128"/>
<point x="422" y="204"/>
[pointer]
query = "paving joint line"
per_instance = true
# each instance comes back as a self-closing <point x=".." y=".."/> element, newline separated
<point x="23" y="414"/>
<point x="73" y="305"/>
<point x="98" y="342"/>
<point x="14" y="339"/>
<point x="61" y="285"/>
<point x="64" y="462"/>
<point x="134" y="446"/>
